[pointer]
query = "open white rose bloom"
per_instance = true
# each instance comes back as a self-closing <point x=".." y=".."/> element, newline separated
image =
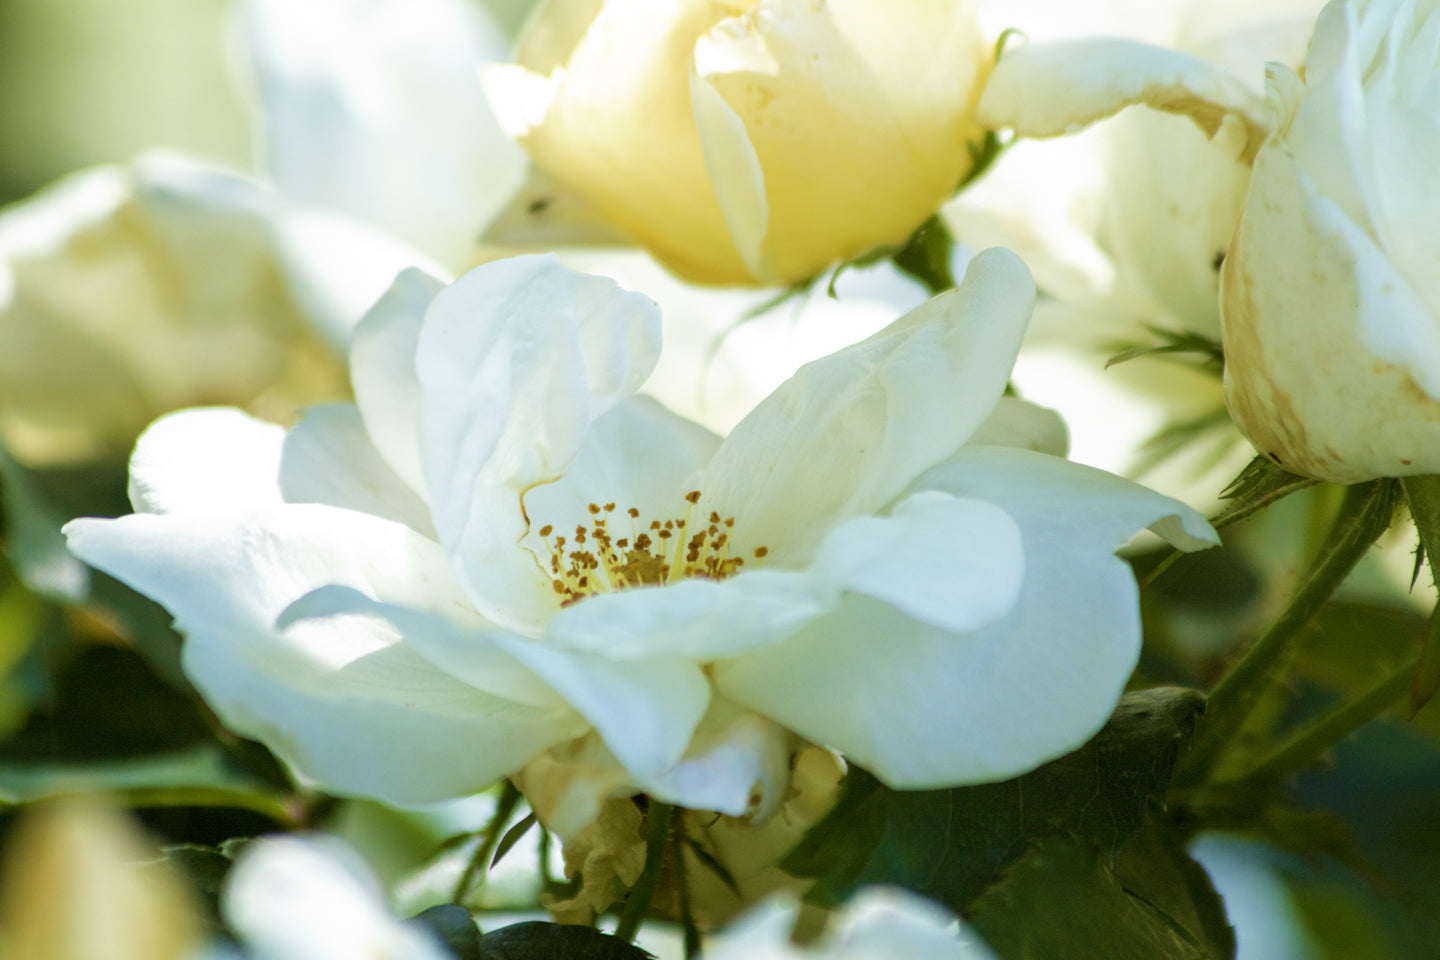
<point x="502" y="549"/>
<point x="1331" y="290"/>
<point x="754" y="141"/>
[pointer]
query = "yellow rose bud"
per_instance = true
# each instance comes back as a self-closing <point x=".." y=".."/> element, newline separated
<point x="746" y="142"/>
<point x="1330" y="293"/>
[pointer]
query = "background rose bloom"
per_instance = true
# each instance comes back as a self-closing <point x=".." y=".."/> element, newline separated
<point x="126" y="292"/>
<point x="751" y="142"/>
<point x="1331" y="289"/>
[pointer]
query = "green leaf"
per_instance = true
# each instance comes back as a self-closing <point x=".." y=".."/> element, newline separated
<point x="926" y="256"/>
<point x="37" y="503"/>
<point x="952" y="844"/>
<point x="1260" y="484"/>
<point x="1207" y="353"/>
<point x="512" y="837"/>
<point x="1155" y="867"/>
<point x="453" y="926"/>
<point x="538" y="940"/>
<point x="114" y="726"/>
<point x="1061" y="902"/>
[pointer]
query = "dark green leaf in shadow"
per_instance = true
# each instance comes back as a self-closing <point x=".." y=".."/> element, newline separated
<point x="538" y="940"/>
<point x="1061" y="902"/>
<point x="950" y="845"/>
<point x="453" y="926"/>
<point x="114" y="726"/>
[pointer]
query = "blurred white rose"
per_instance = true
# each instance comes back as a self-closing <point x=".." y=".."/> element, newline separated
<point x="313" y="898"/>
<point x="126" y="292"/>
<point x="373" y="110"/>
<point x="879" y="923"/>
<point x="750" y="142"/>
<point x="1331" y="289"/>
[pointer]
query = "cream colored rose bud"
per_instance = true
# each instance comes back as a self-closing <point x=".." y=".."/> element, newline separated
<point x="751" y="142"/>
<point x="126" y="292"/>
<point x="1330" y="292"/>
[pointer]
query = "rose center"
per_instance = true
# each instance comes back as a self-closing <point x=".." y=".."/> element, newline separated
<point x="599" y="559"/>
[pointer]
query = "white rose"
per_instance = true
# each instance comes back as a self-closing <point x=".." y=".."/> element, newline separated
<point x="383" y="595"/>
<point x="879" y="923"/>
<point x="126" y="292"/>
<point x="751" y="142"/>
<point x="1125" y="224"/>
<point x="1331" y="289"/>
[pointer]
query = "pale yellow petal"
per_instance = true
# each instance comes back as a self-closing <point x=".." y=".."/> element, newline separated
<point x="860" y="134"/>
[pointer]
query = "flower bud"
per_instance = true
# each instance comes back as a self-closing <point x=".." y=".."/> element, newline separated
<point x="1330" y="291"/>
<point x="747" y="142"/>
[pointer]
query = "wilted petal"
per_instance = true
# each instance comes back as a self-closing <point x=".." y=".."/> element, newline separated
<point x="382" y="368"/>
<point x="215" y="459"/>
<point x="1051" y="89"/>
<point x="516" y="360"/>
<point x="847" y="433"/>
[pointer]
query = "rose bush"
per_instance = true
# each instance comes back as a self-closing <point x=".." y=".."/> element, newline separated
<point x="502" y="550"/>
<point x="751" y="142"/>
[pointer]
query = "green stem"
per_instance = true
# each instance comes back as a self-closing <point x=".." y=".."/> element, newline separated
<point x="1365" y="514"/>
<point x="1422" y="495"/>
<point x="657" y="835"/>
<point x="687" y="916"/>
<point x="1309" y="743"/>
<point x="504" y="808"/>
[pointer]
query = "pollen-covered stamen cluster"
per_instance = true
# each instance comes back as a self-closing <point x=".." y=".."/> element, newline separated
<point x="596" y="560"/>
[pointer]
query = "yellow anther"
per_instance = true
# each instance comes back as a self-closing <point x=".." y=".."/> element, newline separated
<point x="640" y="559"/>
